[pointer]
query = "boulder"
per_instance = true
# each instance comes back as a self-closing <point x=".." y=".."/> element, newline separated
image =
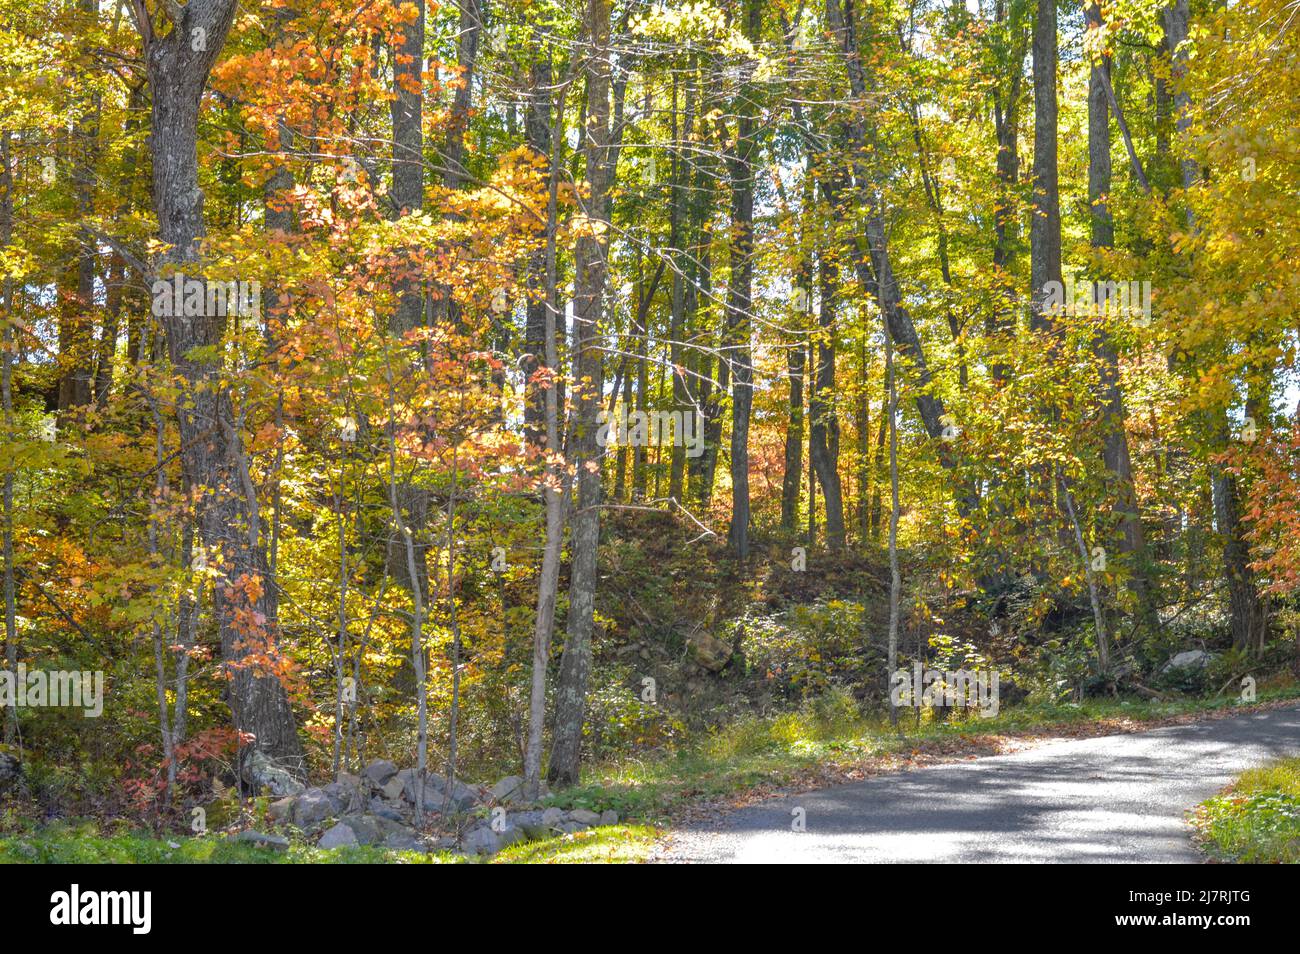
<point x="265" y="774"/>
<point x="366" y="828"/>
<point x="379" y="772"/>
<point x="552" y="817"/>
<point x="339" y="836"/>
<point x="393" y="790"/>
<point x="262" y="840"/>
<point x="382" y="809"/>
<point x="481" y="840"/>
<point x="1191" y="659"/>
<point x="608" y="817"/>
<point x="463" y="797"/>
<point x="405" y="840"/>
<point x="281" y="811"/>
<point x="529" y="823"/>
<point x="312" y="807"/>
<point x="509" y="789"/>
<point x="709" y="651"/>
<point x="584" y="817"/>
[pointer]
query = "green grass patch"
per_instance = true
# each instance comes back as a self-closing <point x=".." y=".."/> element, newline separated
<point x="70" y="844"/>
<point x="612" y="844"/>
<point x="1257" y="821"/>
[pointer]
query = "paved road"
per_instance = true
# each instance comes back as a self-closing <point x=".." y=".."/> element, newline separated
<point x="1118" y="798"/>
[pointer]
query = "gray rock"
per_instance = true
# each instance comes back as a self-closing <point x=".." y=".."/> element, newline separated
<point x="282" y="810"/>
<point x="552" y="817"/>
<point x="1191" y="659"/>
<point x="346" y="796"/>
<point x="265" y="774"/>
<point x="338" y="837"/>
<point x="481" y="840"/>
<point x="511" y="834"/>
<point x="530" y="823"/>
<point x="584" y="817"/>
<point x="366" y="828"/>
<point x="405" y="840"/>
<point x="509" y="789"/>
<point x="312" y="807"/>
<point x="409" y="777"/>
<point x="262" y="840"/>
<point x="382" y="809"/>
<point x="608" y="817"/>
<point x="569" y="827"/>
<point x="379" y="772"/>
<point x="393" y="790"/>
<point x="463" y="797"/>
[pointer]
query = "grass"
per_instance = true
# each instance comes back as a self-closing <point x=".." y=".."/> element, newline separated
<point x="84" y="844"/>
<point x="612" y="844"/>
<point x="1257" y="821"/>
<point x="828" y="742"/>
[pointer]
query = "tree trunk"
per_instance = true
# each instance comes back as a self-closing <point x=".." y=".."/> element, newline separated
<point x="824" y="433"/>
<point x="740" y="295"/>
<point x="212" y="457"/>
<point x="791" y="480"/>
<point x="1045" y="226"/>
<point x="589" y="291"/>
<point x="1132" y="542"/>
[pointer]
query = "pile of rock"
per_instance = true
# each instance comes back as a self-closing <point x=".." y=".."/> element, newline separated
<point x="377" y="807"/>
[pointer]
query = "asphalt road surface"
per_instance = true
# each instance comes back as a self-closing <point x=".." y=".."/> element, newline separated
<point x="1119" y="798"/>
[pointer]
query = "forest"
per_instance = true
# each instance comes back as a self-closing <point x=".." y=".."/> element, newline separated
<point x="538" y="390"/>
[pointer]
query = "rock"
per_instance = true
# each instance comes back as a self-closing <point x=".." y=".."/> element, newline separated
<point x="382" y="809"/>
<point x="463" y="797"/>
<point x="511" y="834"/>
<point x="569" y="827"/>
<point x="282" y="810"/>
<point x="311" y="807"/>
<point x="367" y="829"/>
<point x="379" y="772"/>
<point x="552" y="817"/>
<point x="265" y="774"/>
<point x="1191" y="659"/>
<point x="393" y="790"/>
<point x="339" y="836"/>
<point x="608" y="817"/>
<point x="409" y="777"/>
<point x="509" y="789"/>
<point x="346" y="795"/>
<point x="584" y="817"/>
<point x="262" y="840"/>
<point x="481" y="841"/>
<point x="709" y="651"/>
<point x="529" y="823"/>
<point x="403" y="841"/>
